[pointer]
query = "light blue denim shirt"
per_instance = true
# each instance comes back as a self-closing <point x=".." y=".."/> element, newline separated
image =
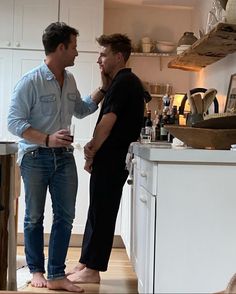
<point x="40" y="103"/>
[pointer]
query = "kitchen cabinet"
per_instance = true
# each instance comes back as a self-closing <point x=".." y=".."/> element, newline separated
<point x="24" y="21"/>
<point x="126" y="217"/>
<point x="85" y="66"/>
<point x="215" y="45"/>
<point x="87" y="17"/>
<point x="13" y="64"/>
<point x="194" y="232"/>
<point x="143" y="225"/>
<point x="22" y="24"/>
<point x="5" y="88"/>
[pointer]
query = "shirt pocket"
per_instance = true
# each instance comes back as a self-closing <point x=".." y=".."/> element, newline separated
<point x="71" y="98"/>
<point x="48" y="104"/>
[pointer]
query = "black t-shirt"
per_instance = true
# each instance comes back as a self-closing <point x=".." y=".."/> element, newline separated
<point x="125" y="98"/>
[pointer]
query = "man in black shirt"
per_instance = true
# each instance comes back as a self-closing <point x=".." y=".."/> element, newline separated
<point x="119" y="124"/>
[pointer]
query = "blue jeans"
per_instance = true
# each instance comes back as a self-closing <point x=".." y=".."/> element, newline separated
<point x="53" y="169"/>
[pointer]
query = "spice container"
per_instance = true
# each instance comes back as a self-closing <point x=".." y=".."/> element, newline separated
<point x="188" y="38"/>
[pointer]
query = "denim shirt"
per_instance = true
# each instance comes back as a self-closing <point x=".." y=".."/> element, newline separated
<point x="40" y="103"/>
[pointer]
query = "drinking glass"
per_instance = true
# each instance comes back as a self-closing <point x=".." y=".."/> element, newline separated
<point x="146" y="135"/>
<point x="71" y="129"/>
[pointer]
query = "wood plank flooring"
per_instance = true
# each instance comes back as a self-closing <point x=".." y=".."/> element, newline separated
<point x="119" y="278"/>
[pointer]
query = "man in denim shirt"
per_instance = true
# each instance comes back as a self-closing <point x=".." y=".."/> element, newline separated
<point x="42" y="105"/>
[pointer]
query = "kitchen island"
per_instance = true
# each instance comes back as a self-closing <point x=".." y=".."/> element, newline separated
<point x="183" y="219"/>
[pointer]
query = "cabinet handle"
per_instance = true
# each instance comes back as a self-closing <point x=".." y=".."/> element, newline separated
<point x="130" y="182"/>
<point x="143" y="174"/>
<point x="17" y="44"/>
<point x="8" y="44"/>
<point x="143" y="198"/>
<point x="134" y="161"/>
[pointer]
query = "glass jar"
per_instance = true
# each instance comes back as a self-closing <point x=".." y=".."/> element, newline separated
<point x="230" y="11"/>
<point x="188" y="38"/>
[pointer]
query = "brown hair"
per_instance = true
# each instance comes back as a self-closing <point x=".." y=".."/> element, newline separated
<point x="55" y="34"/>
<point x="118" y="43"/>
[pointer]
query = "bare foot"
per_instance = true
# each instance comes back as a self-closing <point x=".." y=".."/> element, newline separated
<point x="231" y="288"/>
<point x="63" y="284"/>
<point x="38" y="280"/>
<point x="77" y="268"/>
<point x="86" y="275"/>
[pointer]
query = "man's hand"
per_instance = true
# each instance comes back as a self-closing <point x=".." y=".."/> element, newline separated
<point x="88" y="152"/>
<point x="60" y="138"/>
<point x="88" y="165"/>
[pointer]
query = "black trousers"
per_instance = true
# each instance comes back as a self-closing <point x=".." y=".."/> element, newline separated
<point x="106" y="183"/>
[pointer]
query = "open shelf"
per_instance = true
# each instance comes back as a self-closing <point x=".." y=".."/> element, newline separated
<point x="215" y="45"/>
<point x="152" y="54"/>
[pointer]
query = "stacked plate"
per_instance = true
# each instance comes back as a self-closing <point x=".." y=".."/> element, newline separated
<point x="180" y="49"/>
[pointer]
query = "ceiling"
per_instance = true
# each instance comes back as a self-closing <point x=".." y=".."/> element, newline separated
<point x="157" y="3"/>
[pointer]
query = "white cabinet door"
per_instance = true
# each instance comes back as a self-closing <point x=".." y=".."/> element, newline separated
<point x="87" y="17"/>
<point x="195" y="227"/>
<point x="6" y="23"/>
<point x="13" y="64"/>
<point x="143" y="234"/>
<point x="5" y="89"/>
<point x="87" y="76"/>
<point x="24" y="61"/>
<point x="23" y="21"/>
<point x="126" y="217"/>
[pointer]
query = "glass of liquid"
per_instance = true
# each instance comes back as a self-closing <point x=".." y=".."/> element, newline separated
<point x="71" y="129"/>
<point x="146" y="135"/>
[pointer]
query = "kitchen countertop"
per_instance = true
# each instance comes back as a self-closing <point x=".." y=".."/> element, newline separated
<point x="163" y="152"/>
<point x="7" y="148"/>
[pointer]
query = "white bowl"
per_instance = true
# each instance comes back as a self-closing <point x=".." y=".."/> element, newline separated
<point x="165" y="47"/>
<point x="184" y="46"/>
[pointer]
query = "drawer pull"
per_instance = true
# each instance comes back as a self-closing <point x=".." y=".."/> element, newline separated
<point x="130" y="182"/>
<point x="134" y="161"/>
<point x="143" y="174"/>
<point x="143" y="198"/>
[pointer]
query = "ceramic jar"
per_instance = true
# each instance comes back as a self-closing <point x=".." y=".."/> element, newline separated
<point x="230" y="11"/>
<point x="188" y="38"/>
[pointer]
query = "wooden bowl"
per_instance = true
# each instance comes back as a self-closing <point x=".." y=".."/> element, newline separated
<point x="201" y="138"/>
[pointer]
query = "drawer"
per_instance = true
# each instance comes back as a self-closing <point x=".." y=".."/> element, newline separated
<point x="148" y="176"/>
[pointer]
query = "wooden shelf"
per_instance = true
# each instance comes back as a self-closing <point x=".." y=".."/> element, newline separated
<point x="157" y="95"/>
<point x="152" y="54"/>
<point x="215" y="45"/>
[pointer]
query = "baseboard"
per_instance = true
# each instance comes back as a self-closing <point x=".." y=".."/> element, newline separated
<point x="75" y="240"/>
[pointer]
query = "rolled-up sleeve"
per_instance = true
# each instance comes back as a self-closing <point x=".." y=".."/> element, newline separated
<point x="85" y="106"/>
<point x="19" y="110"/>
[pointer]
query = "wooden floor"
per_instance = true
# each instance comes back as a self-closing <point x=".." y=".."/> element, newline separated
<point x="119" y="278"/>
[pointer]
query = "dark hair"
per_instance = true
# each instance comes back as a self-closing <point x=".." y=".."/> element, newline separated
<point x="118" y="42"/>
<point x="55" y="34"/>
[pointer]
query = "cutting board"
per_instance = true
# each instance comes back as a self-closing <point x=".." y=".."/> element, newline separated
<point x="224" y="122"/>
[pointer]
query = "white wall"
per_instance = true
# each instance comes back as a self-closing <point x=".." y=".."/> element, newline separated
<point x="169" y="25"/>
<point x="218" y="74"/>
<point x="159" y="24"/>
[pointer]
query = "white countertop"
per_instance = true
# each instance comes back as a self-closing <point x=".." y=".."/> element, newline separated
<point x="163" y="152"/>
<point x="8" y="148"/>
